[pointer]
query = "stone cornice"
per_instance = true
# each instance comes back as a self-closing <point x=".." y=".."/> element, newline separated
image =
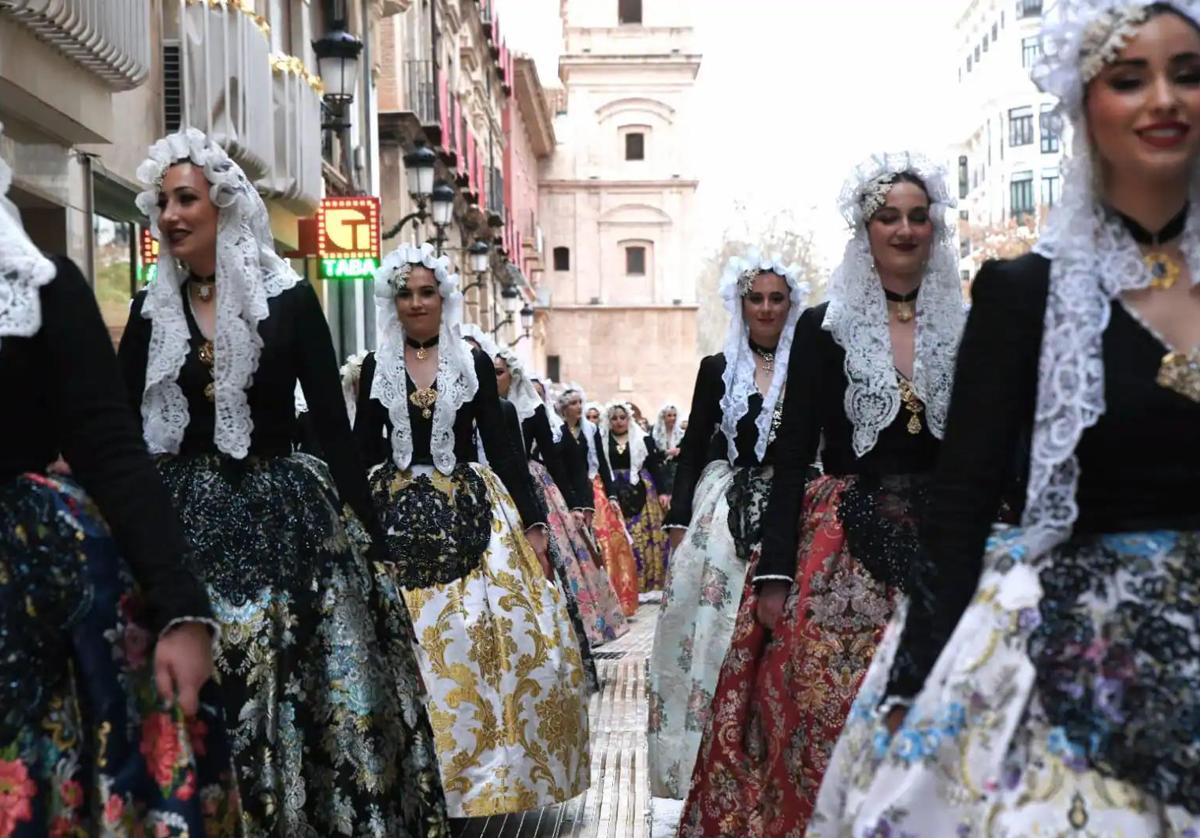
<point x="535" y="108"/>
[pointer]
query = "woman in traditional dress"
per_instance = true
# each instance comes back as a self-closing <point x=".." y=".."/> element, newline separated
<point x="721" y="493"/>
<point x="867" y="392"/>
<point x="1059" y="658"/>
<point x="585" y="583"/>
<point x="592" y="413"/>
<point x="635" y="472"/>
<point x="468" y="553"/>
<point x="105" y="634"/>
<point x="330" y="734"/>
<point x="612" y="538"/>
<point x="668" y="436"/>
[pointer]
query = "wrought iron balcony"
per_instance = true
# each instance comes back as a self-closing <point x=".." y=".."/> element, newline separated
<point x="111" y="38"/>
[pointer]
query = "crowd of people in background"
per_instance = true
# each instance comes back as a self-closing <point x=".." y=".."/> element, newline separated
<point x="917" y="567"/>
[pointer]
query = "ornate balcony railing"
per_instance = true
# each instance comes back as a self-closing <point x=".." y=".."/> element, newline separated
<point x="111" y="38"/>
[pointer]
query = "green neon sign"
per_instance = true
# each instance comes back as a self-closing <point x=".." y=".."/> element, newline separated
<point x="347" y="268"/>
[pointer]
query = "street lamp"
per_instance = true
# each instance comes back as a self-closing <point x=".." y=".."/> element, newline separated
<point x="526" y="324"/>
<point x="337" y="63"/>
<point x="442" y="201"/>
<point x="419" y="167"/>
<point x="434" y="201"/>
<point x="478" y="255"/>
<point x="512" y="304"/>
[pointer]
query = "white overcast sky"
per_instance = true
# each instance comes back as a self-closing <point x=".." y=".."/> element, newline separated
<point x="791" y="94"/>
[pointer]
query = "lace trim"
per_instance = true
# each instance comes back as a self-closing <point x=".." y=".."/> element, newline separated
<point x="857" y="317"/>
<point x="457" y="382"/>
<point x="521" y="394"/>
<point x="23" y="270"/>
<point x="637" y="439"/>
<point x="739" y="373"/>
<point x="249" y="273"/>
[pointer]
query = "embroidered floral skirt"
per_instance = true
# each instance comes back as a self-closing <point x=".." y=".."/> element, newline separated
<point x="499" y="658"/>
<point x="585" y="581"/>
<point x="644" y="520"/>
<point x="331" y="736"/>
<point x="704" y="587"/>
<point x="1065" y="703"/>
<point x="86" y="745"/>
<point x="616" y="547"/>
<point x="782" y="697"/>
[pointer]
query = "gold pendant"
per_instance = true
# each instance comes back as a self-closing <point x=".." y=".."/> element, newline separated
<point x="914" y="424"/>
<point x="1164" y="269"/>
<point x="205" y="292"/>
<point x="210" y="391"/>
<point x="422" y="353"/>
<point x="207" y="353"/>
<point x="912" y="404"/>
<point x="1180" y="373"/>
<point x="424" y="398"/>
<point x="904" y="312"/>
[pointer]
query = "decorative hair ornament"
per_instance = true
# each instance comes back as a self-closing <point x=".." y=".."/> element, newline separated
<point x="857" y="315"/>
<point x="1093" y="260"/>
<point x="739" y="375"/>
<point x="249" y="273"/>
<point x="23" y="269"/>
<point x="457" y="381"/>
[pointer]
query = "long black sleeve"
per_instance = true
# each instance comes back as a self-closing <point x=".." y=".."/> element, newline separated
<point x="370" y="419"/>
<point x="503" y="458"/>
<point x="134" y="354"/>
<point x="605" y="472"/>
<point x="538" y="425"/>
<point x="573" y="454"/>
<point x="694" y="449"/>
<point x="317" y="369"/>
<point x="995" y="388"/>
<point x="102" y="441"/>
<point x="795" y="450"/>
<point x="655" y="460"/>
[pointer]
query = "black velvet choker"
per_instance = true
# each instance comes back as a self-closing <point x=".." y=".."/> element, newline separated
<point x="422" y="346"/>
<point x="1172" y="230"/>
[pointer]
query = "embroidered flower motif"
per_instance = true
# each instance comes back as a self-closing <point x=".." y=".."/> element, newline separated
<point x="16" y="796"/>
<point x="161" y="748"/>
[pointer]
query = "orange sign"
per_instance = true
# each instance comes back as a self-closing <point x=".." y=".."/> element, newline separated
<point x="348" y="228"/>
<point x="149" y="248"/>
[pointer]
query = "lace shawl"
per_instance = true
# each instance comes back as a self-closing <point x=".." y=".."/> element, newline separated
<point x="664" y="440"/>
<point x="1093" y="259"/>
<point x="738" y="377"/>
<point x="556" y="421"/>
<point x="351" y="373"/>
<point x="457" y="383"/>
<point x="636" y="439"/>
<point x="249" y="273"/>
<point x="521" y="394"/>
<point x="23" y="270"/>
<point x="857" y="317"/>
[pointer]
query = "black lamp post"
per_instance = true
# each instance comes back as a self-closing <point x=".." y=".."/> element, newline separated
<point x="512" y="304"/>
<point x="526" y="324"/>
<point x="434" y="201"/>
<point x="337" y="63"/>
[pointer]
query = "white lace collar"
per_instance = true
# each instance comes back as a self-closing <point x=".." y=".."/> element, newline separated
<point x="457" y="382"/>
<point x="23" y="270"/>
<point x="636" y="438"/>
<point x="1093" y="259"/>
<point x="664" y="440"/>
<point x="857" y="316"/>
<point x="249" y="273"/>
<point x="738" y="377"/>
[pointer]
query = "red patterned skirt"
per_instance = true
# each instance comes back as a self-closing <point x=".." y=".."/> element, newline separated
<point x="783" y="697"/>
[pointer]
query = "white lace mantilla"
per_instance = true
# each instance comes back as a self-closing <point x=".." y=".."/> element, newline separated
<point x="1093" y="259"/>
<point x="249" y="273"/>
<point x="739" y="375"/>
<point x="664" y="439"/>
<point x="23" y="270"/>
<point x="636" y="439"/>
<point x="857" y="316"/>
<point x="457" y="382"/>
<point x="521" y="394"/>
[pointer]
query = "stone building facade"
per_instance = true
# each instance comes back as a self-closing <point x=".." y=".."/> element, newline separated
<point x="617" y="201"/>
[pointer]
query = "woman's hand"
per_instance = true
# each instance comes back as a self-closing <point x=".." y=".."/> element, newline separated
<point x="536" y="536"/>
<point x="665" y="502"/>
<point x="672" y="453"/>
<point x="771" y="600"/>
<point x="182" y="664"/>
<point x="676" y="535"/>
<point x="894" y="718"/>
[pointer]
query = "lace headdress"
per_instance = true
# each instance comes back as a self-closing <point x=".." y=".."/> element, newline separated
<point x="586" y="428"/>
<point x="636" y="441"/>
<point x="1093" y="259"/>
<point x="736" y="282"/>
<point x="23" y="269"/>
<point x="857" y="316"/>
<point x="351" y="373"/>
<point x="664" y="439"/>
<point x="486" y="345"/>
<point x="456" y="379"/>
<point x="521" y="394"/>
<point x="556" y="421"/>
<point x="249" y="273"/>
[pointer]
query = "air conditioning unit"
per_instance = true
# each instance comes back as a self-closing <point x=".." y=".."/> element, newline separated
<point x="172" y="86"/>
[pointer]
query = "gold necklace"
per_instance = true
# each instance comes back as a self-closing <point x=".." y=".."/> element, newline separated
<point x="913" y="404"/>
<point x="1164" y="268"/>
<point x="424" y="398"/>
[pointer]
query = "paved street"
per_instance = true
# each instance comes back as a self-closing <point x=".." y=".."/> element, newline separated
<point x="618" y="803"/>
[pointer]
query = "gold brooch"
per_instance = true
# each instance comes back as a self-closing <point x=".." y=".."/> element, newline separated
<point x="207" y="353"/>
<point x="1164" y="269"/>
<point x="913" y="404"/>
<point x="424" y="398"/>
<point x="1180" y="373"/>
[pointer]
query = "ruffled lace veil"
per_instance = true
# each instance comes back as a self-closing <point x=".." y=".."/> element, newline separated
<point x="23" y="269"/>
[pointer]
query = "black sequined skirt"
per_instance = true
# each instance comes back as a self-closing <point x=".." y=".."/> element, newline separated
<point x="881" y="517"/>
<point x="332" y="737"/>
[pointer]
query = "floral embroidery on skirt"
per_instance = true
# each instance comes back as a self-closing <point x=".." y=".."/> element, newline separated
<point x="86" y="745"/>
<point x="651" y="547"/>
<point x="616" y="546"/>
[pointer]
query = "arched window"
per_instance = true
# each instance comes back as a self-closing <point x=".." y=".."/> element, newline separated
<point x="562" y="258"/>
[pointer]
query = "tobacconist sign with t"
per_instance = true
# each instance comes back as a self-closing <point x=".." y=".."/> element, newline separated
<point x="348" y="237"/>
